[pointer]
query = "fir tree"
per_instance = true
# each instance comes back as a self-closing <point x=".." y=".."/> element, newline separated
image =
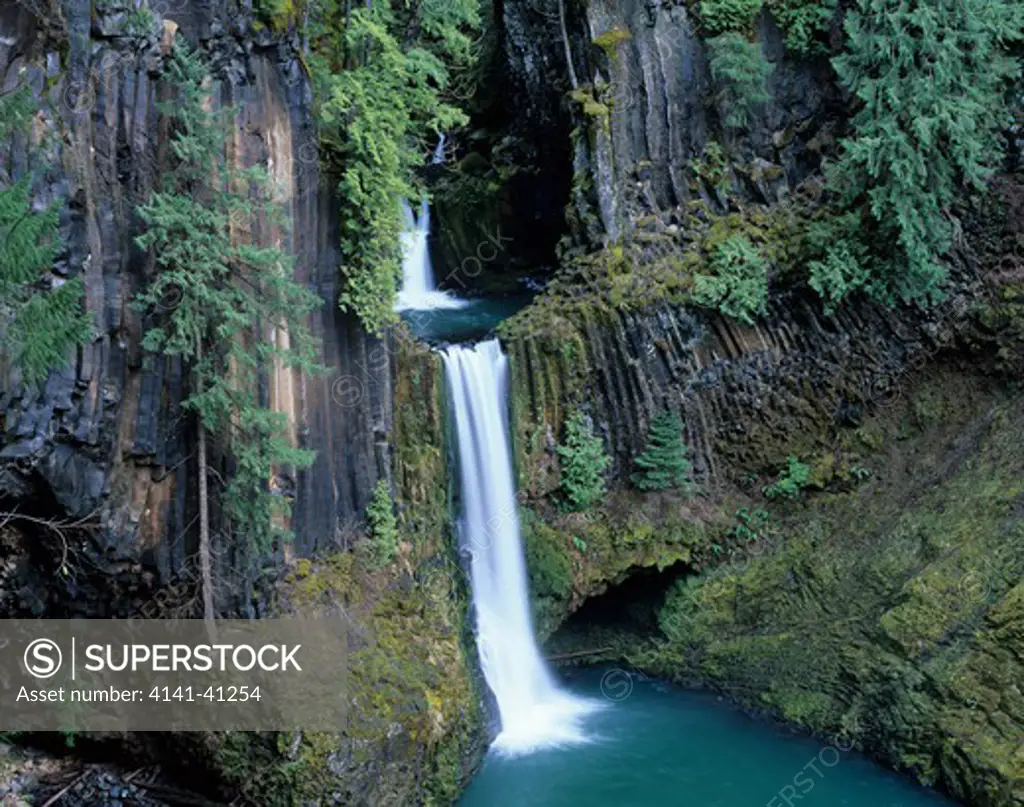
<point x="740" y="74"/>
<point x="380" y="514"/>
<point x="229" y="309"/>
<point x="664" y="464"/>
<point x="40" y="319"/>
<point x="583" y="463"/>
<point x="932" y="78"/>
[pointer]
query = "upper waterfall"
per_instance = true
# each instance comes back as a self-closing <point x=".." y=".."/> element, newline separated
<point x="419" y="289"/>
<point x="535" y="713"/>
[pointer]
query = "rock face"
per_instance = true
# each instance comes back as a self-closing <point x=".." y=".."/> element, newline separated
<point x="748" y="396"/>
<point x="859" y="616"/>
<point x="103" y="441"/>
<point x="891" y="615"/>
<point x="643" y="108"/>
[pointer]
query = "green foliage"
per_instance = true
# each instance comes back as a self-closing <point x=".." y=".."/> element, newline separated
<point x="752" y="525"/>
<point x="583" y="462"/>
<point x="612" y="38"/>
<point x="931" y="77"/>
<point x="276" y="13"/>
<point x="664" y="464"/>
<point x="738" y="281"/>
<point x="380" y="515"/>
<point x="740" y="74"/>
<point x="728" y="15"/>
<point x="229" y="309"/>
<point x="841" y="261"/>
<point x="793" y="480"/>
<point x="40" y="320"/>
<point x="802" y="21"/>
<point x="380" y="96"/>
<point x="712" y="166"/>
<point x="138" y="22"/>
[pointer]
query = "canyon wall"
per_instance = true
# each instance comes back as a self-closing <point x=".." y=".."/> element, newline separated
<point x="103" y="442"/>
<point x="852" y="611"/>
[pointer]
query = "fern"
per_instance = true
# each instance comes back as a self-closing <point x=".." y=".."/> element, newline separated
<point x="738" y="281"/>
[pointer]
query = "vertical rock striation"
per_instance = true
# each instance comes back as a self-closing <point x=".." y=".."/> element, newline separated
<point x="104" y="439"/>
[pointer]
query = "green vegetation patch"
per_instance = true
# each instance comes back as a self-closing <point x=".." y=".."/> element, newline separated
<point x="891" y="615"/>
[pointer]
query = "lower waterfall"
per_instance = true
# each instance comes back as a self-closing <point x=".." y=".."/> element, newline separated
<point x="534" y="712"/>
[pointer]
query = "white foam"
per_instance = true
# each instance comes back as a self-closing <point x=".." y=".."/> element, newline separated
<point x="535" y="713"/>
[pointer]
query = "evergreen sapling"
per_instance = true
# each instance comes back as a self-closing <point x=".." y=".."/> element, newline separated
<point x="664" y="464"/>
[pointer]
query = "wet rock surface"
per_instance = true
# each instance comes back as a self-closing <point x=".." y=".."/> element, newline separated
<point x="103" y="440"/>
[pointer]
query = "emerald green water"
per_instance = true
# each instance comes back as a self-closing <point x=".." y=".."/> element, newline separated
<point x="655" y="745"/>
<point x="478" y="319"/>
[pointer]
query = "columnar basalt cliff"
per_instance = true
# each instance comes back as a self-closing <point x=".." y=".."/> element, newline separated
<point x="104" y="441"/>
<point x="99" y="461"/>
<point x="861" y="392"/>
<point x="613" y="173"/>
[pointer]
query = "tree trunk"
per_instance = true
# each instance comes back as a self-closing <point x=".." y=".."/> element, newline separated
<point x="205" y="569"/>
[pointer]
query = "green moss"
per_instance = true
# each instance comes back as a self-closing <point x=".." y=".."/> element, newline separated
<point x="413" y="726"/>
<point x="611" y="39"/>
<point x="572" y="556"/>
<point x="592" y="108"/>
<point x="278" y="14"/>
<point x="893" y="614"/>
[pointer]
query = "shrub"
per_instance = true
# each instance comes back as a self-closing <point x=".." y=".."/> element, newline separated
<point x="840" y="261"/>
<point x="791" y="481"/>
<point x="380" y="515"/>
<point x="802" y="21"/>
<point x="738" y="281"/>
<point x="728" y="15"/>
<point x="740" y="74"/>
<point x="583" y="463"/>
<point x="664" y="464"/>
<point x="932" y="79"/>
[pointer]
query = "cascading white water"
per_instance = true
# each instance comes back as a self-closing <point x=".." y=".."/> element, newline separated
<point x="419" y="289"/>
<point x="535" y="713"/>
<point x="442" y="141"/>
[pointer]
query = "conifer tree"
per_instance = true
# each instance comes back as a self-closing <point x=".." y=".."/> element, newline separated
<point x="664" y="464"/>
<point x="380" y="514"/>
<point x="39" y="324"/>
<point x="932" y="78"/>
<point x="583" y="462"/>
<point x="234" y="311"/>
<point x="740" y="74"/>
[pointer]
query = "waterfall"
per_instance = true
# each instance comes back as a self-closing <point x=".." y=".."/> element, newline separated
<point x="419" y="289"/>
<point x="439" y="151"/>
<point x="534" y="712"/>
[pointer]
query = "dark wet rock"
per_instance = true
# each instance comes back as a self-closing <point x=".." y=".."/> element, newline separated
<point x="105" y="435"/>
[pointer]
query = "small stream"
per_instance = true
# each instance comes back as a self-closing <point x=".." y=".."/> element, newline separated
<point x="657" y="745"/>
